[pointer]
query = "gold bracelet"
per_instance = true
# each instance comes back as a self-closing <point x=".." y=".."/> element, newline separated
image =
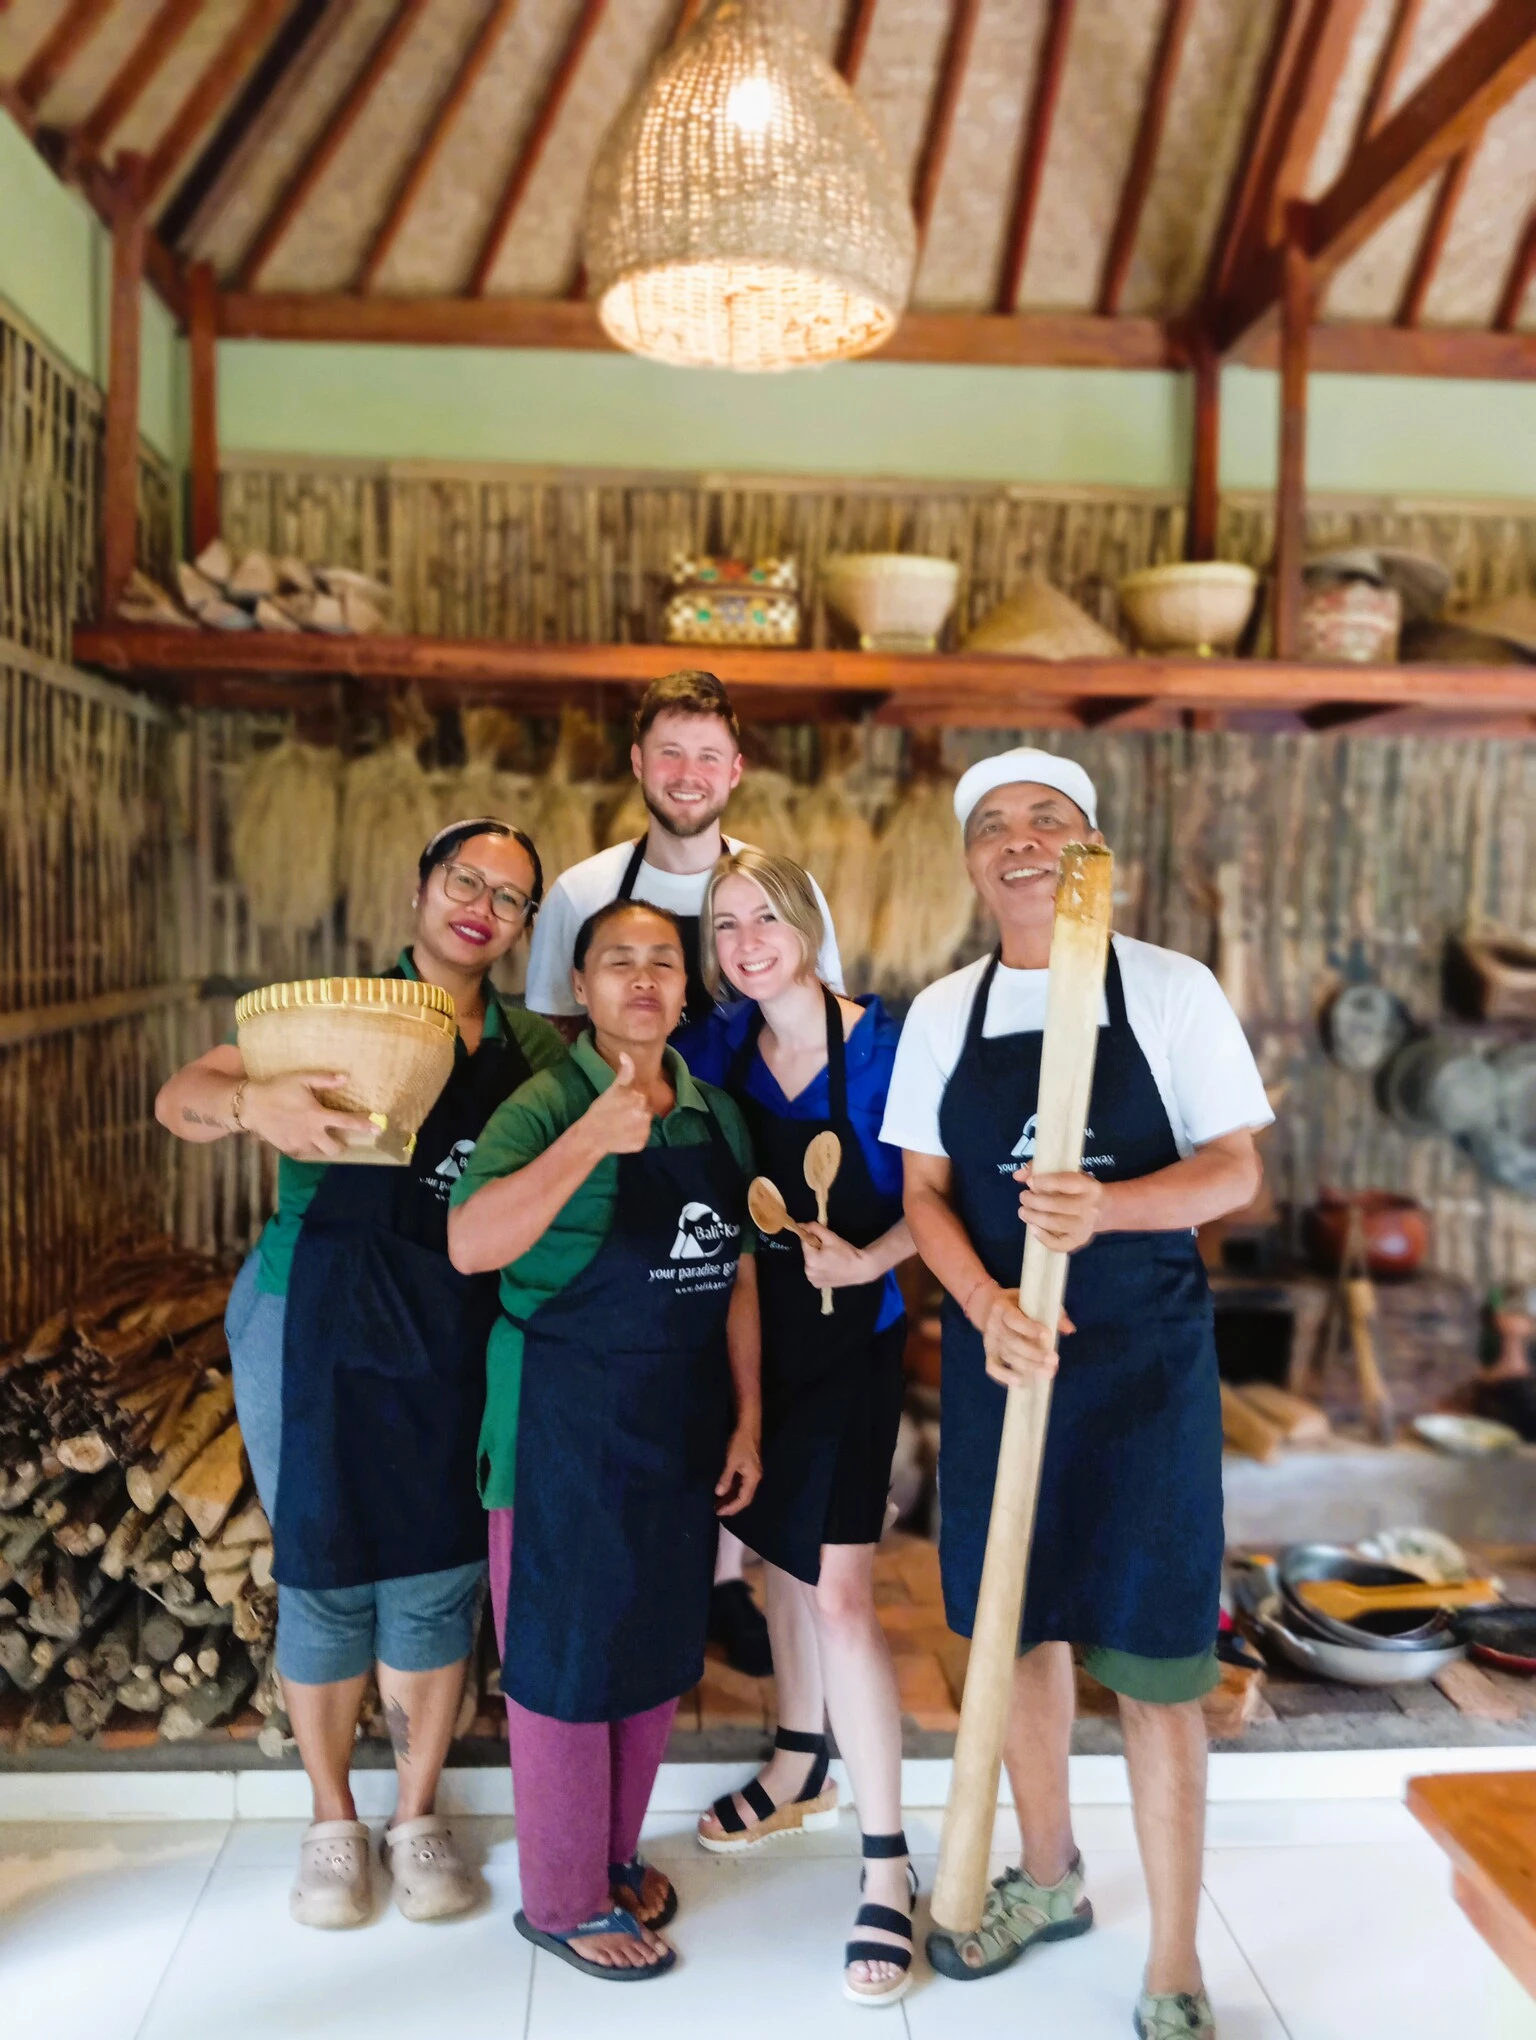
<point x="235" y="1103"/>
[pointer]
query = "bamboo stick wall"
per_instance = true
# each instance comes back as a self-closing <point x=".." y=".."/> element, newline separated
<point x="85" y="851"/>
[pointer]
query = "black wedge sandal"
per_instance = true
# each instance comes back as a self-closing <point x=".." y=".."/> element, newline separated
<point x="815" y="1808"/>
<point x="882" y="1848"/>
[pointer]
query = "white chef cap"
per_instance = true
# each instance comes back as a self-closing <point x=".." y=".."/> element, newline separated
<point x="1021" y="766"/>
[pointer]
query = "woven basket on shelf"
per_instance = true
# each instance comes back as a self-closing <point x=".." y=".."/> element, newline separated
<point x="743" y="212"/>
<point x="1190" y="605"/>
<point x="897" y="602"/>
<point x="394" y="1037"/>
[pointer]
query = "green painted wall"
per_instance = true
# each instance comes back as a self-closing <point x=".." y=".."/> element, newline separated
<point x="1381" y="433"/>
<point x="56" y="271"/>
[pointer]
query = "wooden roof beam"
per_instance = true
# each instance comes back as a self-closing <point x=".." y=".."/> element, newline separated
<point x="1517" y="279"/>
<point x="1050" y="69"/>
<point x="221" y="75"/>
<point x="1389" y="68"/>
<point x="1242" y="201"/>
<point x="964" y="14"/>
<point x="853" y="37"/>
<point x="1433" y="239"/>
<point x="133" y="74"/>
<point x="73" y="29"/>
<point x="535" y="142"/>
<point x="1149" y="133"/>
<point x="387" y="47"/>
<point x="1484" y="71"/>
<point x="426" y="153"/>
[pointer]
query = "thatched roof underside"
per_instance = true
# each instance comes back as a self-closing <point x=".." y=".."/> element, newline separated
<point x="218" y="212"/>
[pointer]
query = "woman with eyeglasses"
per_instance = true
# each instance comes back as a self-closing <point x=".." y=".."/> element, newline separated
<point x="359" y="1361"/>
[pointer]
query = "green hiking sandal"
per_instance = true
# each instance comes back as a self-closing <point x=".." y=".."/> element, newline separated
<point x="1017" y="1913"/>
<point x="1180" y="2015"/>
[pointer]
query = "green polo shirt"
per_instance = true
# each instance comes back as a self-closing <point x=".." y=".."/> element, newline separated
<point x="297" y="1182"/>
<point x="518" y="1132"/>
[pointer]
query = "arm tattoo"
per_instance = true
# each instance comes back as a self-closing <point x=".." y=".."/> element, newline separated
<point x="202" y="1118"/>
<point x="398" y="1722"/>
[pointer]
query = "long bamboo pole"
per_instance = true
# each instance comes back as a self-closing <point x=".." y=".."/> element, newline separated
<point x="1079" y="946"/>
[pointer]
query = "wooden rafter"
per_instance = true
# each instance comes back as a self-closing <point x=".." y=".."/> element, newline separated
<point x="1325" y="30"/>
<point x="1491" y="63"/>
<point x="219" y="78"/>
<point x="1437" y="227"/>
<point x="1205" y="462"/>
<point x="1517" y="279"/>
<point x="534" y="144"/>
<point x="1389" y="68"/>
<point x="301" y="34"/>
<point x="323" y="152"/>
<point x="133" y="74"/>
<point x="1050" y="69"/>
<point x="427" y="150"/>
<point x="73" y="29"/>
<point x="1177" y="15"/>
<point x="1291" y="494"/>
<point x="963" y="16"/>
<point x="853" y="37"/>
<point x="1236" y="231"/>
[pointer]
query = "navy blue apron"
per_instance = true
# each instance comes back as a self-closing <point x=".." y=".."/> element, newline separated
<point x="1128" y="1535"/>
<point x="698" y="1005"/>
<point x="384" y="1358"/>
<point x="624" y="1414"/>
<point x="819" y="1373"/>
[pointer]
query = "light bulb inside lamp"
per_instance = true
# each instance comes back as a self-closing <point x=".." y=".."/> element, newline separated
<point x="750" y="105"/>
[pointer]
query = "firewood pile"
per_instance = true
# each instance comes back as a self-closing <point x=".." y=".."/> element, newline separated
<point x="255" y="591"/>
<point x="135" y="1559"/>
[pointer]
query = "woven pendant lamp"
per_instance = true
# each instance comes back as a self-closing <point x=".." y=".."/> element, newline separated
<point x="743" y="213"/>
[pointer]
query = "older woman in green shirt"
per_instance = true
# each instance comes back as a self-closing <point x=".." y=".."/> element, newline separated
<point x="611" y="1192"/>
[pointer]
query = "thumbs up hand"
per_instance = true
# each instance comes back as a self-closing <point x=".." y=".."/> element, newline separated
<point x="619" y="1121"/>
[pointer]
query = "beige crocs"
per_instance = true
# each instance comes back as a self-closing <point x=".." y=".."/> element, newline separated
<point x="432" y="1880"/>
<point x="334" y="1887"/>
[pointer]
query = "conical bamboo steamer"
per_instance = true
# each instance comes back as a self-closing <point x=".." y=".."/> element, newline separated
<point x="1039" y="622"/>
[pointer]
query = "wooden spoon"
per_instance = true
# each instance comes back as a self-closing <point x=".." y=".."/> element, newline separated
<point x="823" y="1159"/>
<point x="1344" y="1602"/>
<point x="766" y="1204"/>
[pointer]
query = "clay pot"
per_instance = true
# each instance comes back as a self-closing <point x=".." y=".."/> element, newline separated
<point x="1396" y="1231"/>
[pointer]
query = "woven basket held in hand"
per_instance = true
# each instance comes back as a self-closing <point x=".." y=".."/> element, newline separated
<point x="393" y="1036"/>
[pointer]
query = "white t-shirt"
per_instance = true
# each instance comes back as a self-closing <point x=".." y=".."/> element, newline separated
<point x="1193" y="1042"/>
<point x="591" y="884"/>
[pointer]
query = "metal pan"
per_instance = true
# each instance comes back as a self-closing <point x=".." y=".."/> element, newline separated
<point x="1504" y="1636"/>
<point x="1354" y="1664"/>
<point x="1392" y="1630"/>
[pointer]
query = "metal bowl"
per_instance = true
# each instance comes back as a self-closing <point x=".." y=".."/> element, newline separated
<point x="1356" y="1665"/>
<point x="1397" y="1630"/>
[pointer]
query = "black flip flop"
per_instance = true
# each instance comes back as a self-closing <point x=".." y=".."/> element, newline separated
<point x="616" y="1922"/>
<point x="630" y="1877"/>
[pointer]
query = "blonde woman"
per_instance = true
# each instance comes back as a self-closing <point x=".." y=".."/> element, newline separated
<point x="800" y="1059"/>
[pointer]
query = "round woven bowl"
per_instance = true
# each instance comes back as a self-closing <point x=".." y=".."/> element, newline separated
<point x="895" y="601"/>
<point x="394" y="1037"/>
<point x="1190" y="606"/>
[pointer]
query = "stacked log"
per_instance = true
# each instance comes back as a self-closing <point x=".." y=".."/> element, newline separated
<point x="135" y="1558"/>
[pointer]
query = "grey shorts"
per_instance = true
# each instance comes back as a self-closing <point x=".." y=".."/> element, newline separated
<point x="325" y="1634"/>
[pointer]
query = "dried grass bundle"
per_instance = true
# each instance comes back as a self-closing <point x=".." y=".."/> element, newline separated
<point x="389" y="807"/>
<point x="285" y="835"/>
<point x="762" y="811"/>
<point x="926" y="902"/>
<point x="482" y="786"/>
<point x="568" y="800"/>
<point x="837" y="846"/>
<point x="629" y="818"/>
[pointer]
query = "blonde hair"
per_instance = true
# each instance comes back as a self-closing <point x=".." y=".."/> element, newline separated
<point x="790" y="894"/>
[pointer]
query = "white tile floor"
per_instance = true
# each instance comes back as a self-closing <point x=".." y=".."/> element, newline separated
<point x="1323" y="1921"/>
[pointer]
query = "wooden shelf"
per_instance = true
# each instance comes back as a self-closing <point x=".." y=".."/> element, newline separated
<point x="262" y="670"/>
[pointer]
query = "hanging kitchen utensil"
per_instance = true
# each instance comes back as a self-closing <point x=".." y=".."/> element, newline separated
<point x="823" y="1159"/>
<point x="1441" y="1084"/>
<point x="1364" y="1026"/>
<point x="1505" y="1150"/>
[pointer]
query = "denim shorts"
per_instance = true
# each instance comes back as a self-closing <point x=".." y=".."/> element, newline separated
<point x="324" y="1634"/>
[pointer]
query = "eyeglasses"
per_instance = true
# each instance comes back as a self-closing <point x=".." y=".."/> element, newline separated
<point x="462" y="883"/>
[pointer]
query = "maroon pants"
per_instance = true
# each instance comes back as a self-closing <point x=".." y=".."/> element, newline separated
<point x="580" y="1788"/>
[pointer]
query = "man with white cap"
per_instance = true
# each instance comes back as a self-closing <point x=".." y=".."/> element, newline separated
<point x="1126" y="1561"/>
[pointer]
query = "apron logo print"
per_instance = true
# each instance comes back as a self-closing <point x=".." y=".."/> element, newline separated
<point x="1025" y="1151"/>
<point x="701" y="1234"/>
<point x="450" y="1168"/>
